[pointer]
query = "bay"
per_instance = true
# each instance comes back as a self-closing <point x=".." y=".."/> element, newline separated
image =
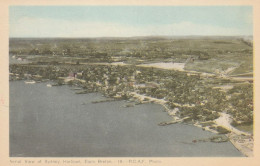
<point x="56" y="122"/>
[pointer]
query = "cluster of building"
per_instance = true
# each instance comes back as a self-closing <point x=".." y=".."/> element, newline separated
<point x="190" y="94"/>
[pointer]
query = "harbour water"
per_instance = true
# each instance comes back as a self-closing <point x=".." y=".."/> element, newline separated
<point x="56" y="122"/>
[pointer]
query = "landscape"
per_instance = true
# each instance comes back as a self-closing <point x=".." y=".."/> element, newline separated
<point x="131" y="81"/>
<point x="208" y="84"/>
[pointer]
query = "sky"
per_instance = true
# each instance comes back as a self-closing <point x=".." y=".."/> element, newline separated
<point x="128" y="21"/>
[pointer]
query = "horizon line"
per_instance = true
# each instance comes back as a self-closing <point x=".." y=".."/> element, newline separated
<point x="162" y="36"/>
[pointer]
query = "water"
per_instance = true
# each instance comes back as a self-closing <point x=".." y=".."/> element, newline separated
<point x="56" y="122"/>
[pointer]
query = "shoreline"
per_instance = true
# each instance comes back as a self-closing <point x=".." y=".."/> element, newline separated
<point x="241" y="140"/>
<point x="149" y="114"/>
<point x="236" y="137"/>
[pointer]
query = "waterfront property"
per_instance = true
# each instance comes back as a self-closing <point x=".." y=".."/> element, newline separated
<point x="60" y="123"/>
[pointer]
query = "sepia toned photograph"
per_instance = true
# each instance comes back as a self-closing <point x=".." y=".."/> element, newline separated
<point x="131" y="81"/>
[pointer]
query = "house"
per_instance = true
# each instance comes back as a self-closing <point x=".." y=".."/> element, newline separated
<point x="72" y="75"/>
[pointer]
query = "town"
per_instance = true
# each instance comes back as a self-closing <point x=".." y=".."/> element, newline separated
<point x="199" y="81"/>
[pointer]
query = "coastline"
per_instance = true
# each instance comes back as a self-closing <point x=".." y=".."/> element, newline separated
<point x="172" y="138"/>
<point x="243" y="141"/>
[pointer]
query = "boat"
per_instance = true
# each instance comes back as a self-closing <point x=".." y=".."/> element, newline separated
<point x="30" y="82"/>
<point x="49" y="85"/>
<point x="167" y="123"/>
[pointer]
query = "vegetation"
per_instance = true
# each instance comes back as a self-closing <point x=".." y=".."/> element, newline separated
<point x="197" y="96"/>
